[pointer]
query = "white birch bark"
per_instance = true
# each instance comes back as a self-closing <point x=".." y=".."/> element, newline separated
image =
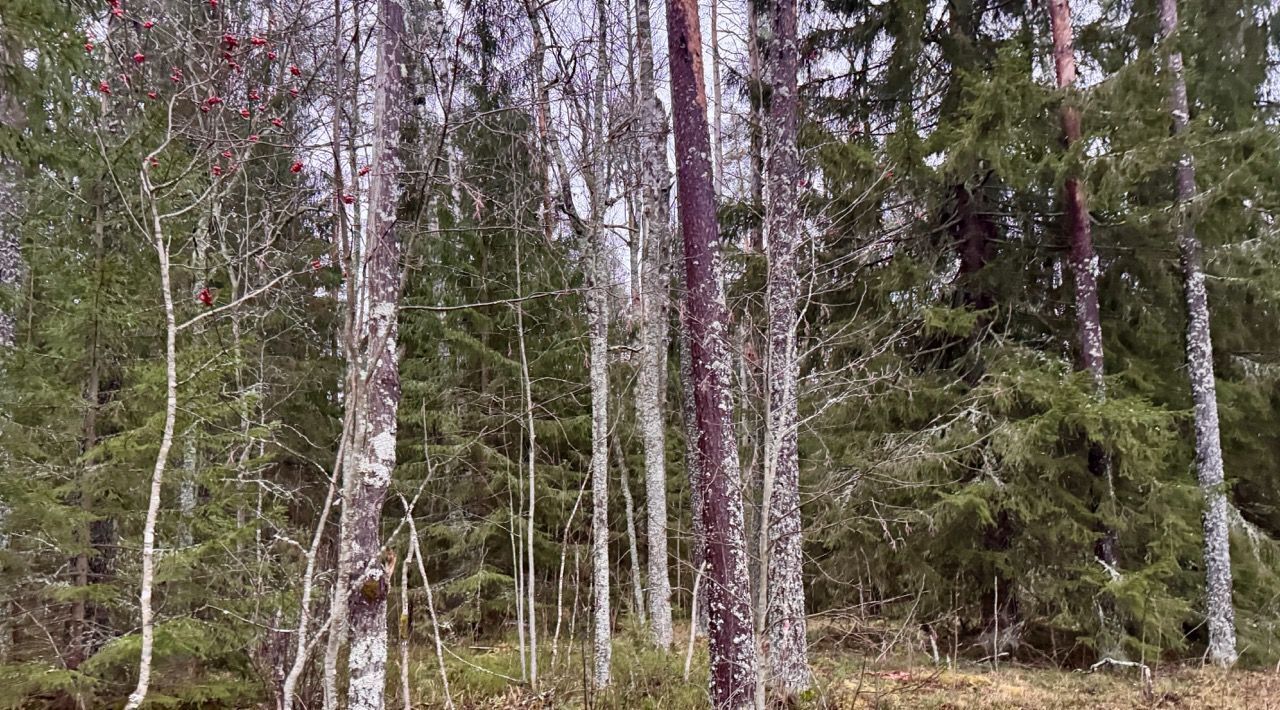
<point x="1219" y="607"/>
<point x="379" y="399"/>
<point x="598" y="335"/>
<point x="146" y="613"/>
<point x="655" y="180"/>
<point x="637" y="577"/>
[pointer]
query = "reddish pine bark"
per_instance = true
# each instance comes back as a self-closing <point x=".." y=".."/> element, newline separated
<point x="733" y="655"/>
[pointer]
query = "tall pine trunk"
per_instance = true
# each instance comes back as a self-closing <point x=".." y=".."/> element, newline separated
<point x="1220" y="609"/>
<point x="655" y="180"/>
<point x="1085" y="270"/>
<point x="379" y="393"/>
<point x="733" y="653"/>
<point x="782" y="592"/>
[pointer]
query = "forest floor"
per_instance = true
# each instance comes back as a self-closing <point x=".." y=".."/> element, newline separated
<point x="845" y="680"/>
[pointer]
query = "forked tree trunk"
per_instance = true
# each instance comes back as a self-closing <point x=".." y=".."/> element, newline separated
<point x="782" y="591"/>
<point x="733" y="653"/>
<point x="1220" y="608"/>
<point x="655" y="180"/>
<point x="379" y="395"/>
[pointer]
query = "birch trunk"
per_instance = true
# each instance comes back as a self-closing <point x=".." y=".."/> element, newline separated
<point x="655" y="283"/>
<point x="782" y="592"/>
<point x="1085" y="271"/>
<point x="733" y="655"/>
<point x="637" y="577"/>
<point x="1220" y="608"/>
<point x="598" y="334"/>
<point x="379" y="397"/>
<point x="11" y="115"/>
<point x="147" y="618"/>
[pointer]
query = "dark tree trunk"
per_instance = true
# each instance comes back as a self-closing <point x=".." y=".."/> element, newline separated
<point x="783" y="591"/>
<point x="1220" y="609"/>
<point x="733" y="654"/>
<point x="378" y="395"/>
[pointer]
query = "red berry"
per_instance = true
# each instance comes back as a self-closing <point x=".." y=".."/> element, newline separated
<point x="104" y="87"/>
<point x="213" y="100"/>
<point x="253" y="137"/>
<point x="244" y="113"/>
<point x="294" y="70"/>
<point x="217" y="170"/>
<point x="257" y="41"/>
<point x="296" y="167"/>
<point x="152" y="95"/>
<point x="315" y="264"/>
<point x="117" y="11"/>
<point x="88" y="46"/>
<point x="227" y="154"/>
<point x="348" y="199"/>
<point x="154" y="161"/>
<point x="293" y="92"/>
<point x="204" y="296"/>
<point x="148" y="24"/>
<point x="277" y="122"/>
<point x="139" y="57"/>
<point x="271" y="56"/>
<point x="254" y="95"/>
<point x="230" y="40"/>
<point x="364" y="171"/>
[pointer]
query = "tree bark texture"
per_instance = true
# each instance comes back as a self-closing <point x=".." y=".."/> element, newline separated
<point x="1219" y="607"/>
<point x="655" y="288"/>
<point x="1085" y="270"/>
<point x="379" y="395"/>
<point x="733" y="653"/>
<point x="784" y="618"/>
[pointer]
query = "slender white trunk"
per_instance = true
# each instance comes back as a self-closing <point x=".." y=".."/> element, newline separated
<point x="161" y="244"/>
<point x="416" y="550"/>
<point x="637" y="577"/>
<point x="1219" y="607"/>
<point x="526" y="385"/>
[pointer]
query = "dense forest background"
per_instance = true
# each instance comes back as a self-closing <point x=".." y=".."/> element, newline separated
<point x="971" y="484"/>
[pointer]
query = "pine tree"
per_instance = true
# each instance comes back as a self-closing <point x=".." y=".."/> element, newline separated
<point x="733" y="656"/>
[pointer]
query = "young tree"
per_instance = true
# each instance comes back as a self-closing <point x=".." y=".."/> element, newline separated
<point x="378" y="391"/>
<point x="1220" y="608"/>
<point x="782" y="587"/>
<point x="705" y="318"/>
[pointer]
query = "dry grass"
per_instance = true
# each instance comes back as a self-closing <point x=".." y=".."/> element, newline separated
<point x="1044" y="689"/>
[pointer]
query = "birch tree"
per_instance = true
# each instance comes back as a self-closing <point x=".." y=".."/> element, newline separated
<point x="705" y="318"/>
<point x="379" y="394"/>
<point x="655" y="180"/>
<point x="782" y="587"/>
<point x="1219" y="606"/>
